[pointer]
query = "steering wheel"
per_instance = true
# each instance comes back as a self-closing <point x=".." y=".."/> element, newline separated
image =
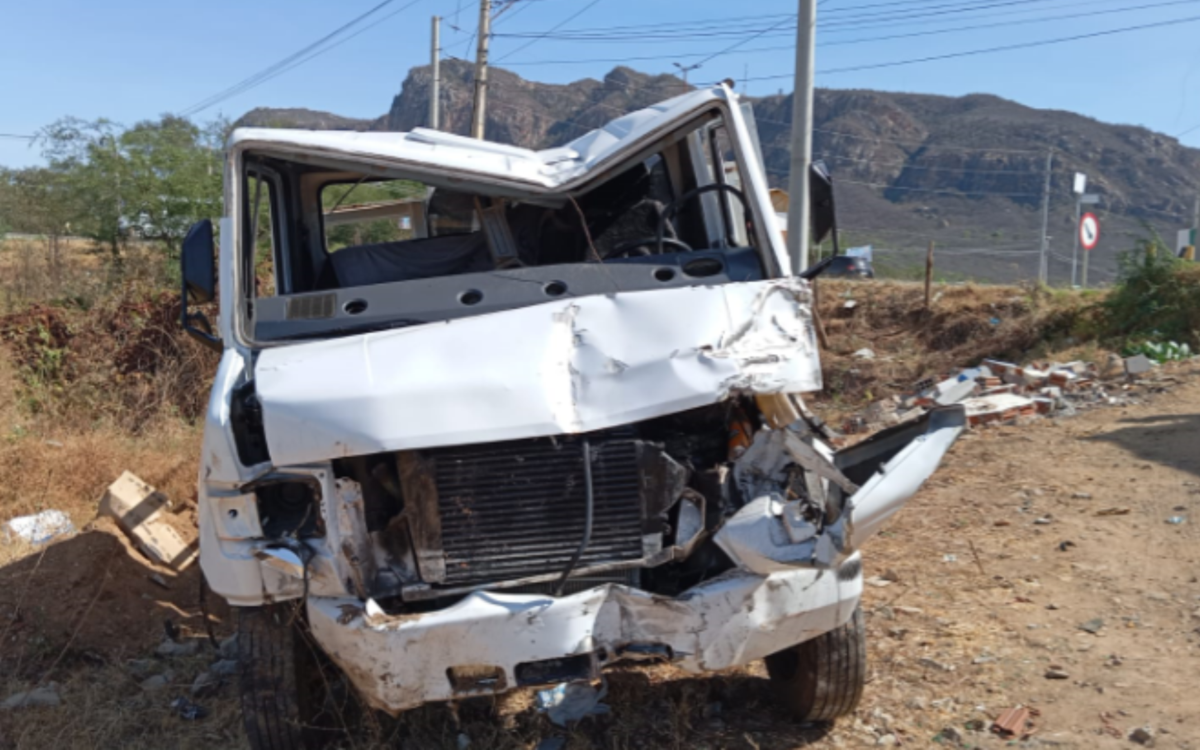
<point x="672" y="209"/>
<point x="641" y="247"/>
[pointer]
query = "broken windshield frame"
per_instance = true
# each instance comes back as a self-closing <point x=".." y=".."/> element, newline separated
<point x="704" y="121"/>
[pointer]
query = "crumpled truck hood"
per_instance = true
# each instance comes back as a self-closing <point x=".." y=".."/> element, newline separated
<point x="563" y="367"/>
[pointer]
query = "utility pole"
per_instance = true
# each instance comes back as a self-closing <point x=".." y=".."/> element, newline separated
<point x="802" y="125"/>
<point x="684" y="70"/>
<point x="1195" y="238"/>
<point x="1075" y="249"/>
<point x="435" y="63"/>
<point x="479" y="113"/>
<point x="1043" y="267"/>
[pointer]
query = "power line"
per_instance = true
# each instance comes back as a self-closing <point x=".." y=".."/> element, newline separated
<point x="870" y="39"/>
<point x="537" y="39"/>
<point x="297" y="58"/>
<point x="15" y="135"/>
<point x="987" y="50"/>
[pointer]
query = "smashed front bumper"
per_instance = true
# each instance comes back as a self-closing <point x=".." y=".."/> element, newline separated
<point x="489" y="642"/>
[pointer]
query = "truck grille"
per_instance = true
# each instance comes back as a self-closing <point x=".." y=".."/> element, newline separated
<point x="510" y="510"/>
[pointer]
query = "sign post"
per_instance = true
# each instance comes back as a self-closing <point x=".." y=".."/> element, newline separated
<point x="1089" y="237"/>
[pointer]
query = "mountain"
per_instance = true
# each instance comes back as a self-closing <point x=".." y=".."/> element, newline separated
<point x="967" y="173"/>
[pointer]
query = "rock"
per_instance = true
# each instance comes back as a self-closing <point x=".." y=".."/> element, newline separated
<point x="158" y="681"/>
<point x="205" y="684"/>
<point x="865" y="354"/>
<point x="1138" y="365"/>
<point x="228" y="648"/>
<point x="1081" y="496"/>
<point x="226" y="667"/>
<point x="1142" y="736"/>
<point x="925" y="661"/>
<point x="887" y="740"/>
<point x="1055" y="672"/>
<point x="951" y="735"/>
<point x="173" y="649"/>
<point x="43" y="697"/>
<point x="1092" y="626"/>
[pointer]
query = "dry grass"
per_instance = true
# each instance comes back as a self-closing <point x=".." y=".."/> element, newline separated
<point x="88" y="393"/>
<point x="966" y="324"/>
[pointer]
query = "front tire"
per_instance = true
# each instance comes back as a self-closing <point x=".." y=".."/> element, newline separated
<point x="822" y="679"/>
<point x="285" y="684"/>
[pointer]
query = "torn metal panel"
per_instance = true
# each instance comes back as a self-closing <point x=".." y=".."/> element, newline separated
<point x="905" y="470"/>
<point x="402" y="661"/>
<point x="537" y="371"/>
<point x="772" y="533"/>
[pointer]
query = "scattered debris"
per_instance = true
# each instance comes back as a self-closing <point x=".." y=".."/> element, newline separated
<point x="42" y="697"/>
<point x="1014" y="722"/>
<point x="137" y="507"/>
<point x="1176" y="520"/>
<point x="949" y="734"/>
<point x="572" y="701"/>
<point x="1081" y="496"/>
<point x="949" y="558"/>
<point x="187" y="710"/>
<point x="925" y="661"/>
<point x="1056" y="672"/>
<point x="1092" y="626"/>
<point x="205" y="684"/>
<point x="226" y="667"/>
<point x="157" y="682"/>
<point x="1138" y="365"/>
<point x="1005" y="393"/>
<point x="39" y="528"/>
<point x="1142" y="736"/>
<point x="1113" y="512"/>
<point x="158" y="580"/>
<point x="865" y="354"/>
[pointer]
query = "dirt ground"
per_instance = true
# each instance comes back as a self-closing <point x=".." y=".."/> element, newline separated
<point x="981" y="596"/>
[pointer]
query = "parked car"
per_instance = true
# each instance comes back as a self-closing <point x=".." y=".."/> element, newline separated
<point x="547" y="420"/>
<point x="846" y="267"/>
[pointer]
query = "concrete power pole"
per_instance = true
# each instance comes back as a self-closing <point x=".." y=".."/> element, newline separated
<point x="799" y="204"/>
<point x="1043" y="267"/>
<point x="479" y="113"/>
<point x="435" y="63"/>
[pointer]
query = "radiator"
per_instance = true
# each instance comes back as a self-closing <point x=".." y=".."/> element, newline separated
<point x="517" y="509"/>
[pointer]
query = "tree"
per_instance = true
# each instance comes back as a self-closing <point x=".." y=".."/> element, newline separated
<point x="153" y="180"/>
<point x="87" y="158"/>
<point x="175" y="177"/>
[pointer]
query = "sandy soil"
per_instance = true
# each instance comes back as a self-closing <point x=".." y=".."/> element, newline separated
<point x="978" y="591"/>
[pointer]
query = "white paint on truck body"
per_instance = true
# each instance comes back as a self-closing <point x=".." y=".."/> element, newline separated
<point x="551" y="369"/>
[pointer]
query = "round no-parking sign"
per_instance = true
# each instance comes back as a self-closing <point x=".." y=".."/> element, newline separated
<point x="1089" y="231"/>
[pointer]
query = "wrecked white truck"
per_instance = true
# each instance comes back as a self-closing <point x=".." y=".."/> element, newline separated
<point x="489" y="418"/>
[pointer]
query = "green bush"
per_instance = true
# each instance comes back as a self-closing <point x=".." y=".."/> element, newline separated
<point x="1156" y="298"/>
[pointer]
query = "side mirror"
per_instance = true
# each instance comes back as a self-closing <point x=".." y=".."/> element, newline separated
<point x="199" y="267"/>
<point x="823" y="214"/>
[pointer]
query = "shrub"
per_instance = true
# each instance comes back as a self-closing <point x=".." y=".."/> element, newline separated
<point x="1156" y="298"/>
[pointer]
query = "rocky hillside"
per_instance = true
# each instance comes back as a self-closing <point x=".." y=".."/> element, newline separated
<point x="965" y="172"/>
